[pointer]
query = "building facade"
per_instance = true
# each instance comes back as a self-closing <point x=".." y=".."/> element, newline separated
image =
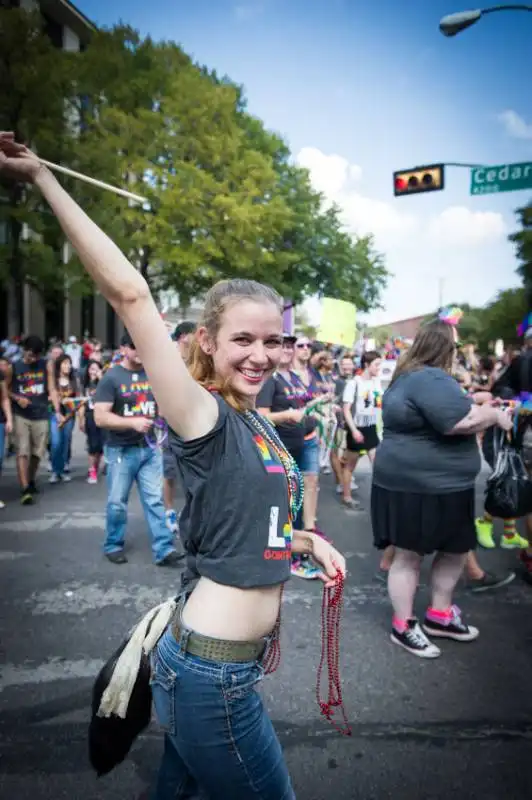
<point x="69" y="29"/>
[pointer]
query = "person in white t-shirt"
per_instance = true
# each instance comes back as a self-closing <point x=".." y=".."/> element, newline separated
<point x="361" y="405"/>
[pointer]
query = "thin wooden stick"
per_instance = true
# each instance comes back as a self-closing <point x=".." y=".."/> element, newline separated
<point x="101" y="185"/>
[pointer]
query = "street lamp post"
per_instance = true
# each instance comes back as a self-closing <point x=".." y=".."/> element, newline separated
<point x="455" y="23"/>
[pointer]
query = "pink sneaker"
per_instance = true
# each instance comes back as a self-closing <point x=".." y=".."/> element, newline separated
<point x="92" y="476"/>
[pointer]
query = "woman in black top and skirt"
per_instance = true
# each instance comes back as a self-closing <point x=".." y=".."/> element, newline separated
<point x="423" y="494"/>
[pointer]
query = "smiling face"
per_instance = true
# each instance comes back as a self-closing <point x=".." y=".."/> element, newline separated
<point x="303" y="351"/>
<point x="347" y="367"/>
<point x="65" y="367"/>
<point x="248" y="345"/>
<point x="374" y="368"/>
<point x="287" y="354"/>
<point x="95" y="372"/>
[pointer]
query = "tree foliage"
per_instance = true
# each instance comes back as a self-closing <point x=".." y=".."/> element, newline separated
<point x="34" y="80"/>
<point x="224" y="198"/>
<point x="523" y="246"/>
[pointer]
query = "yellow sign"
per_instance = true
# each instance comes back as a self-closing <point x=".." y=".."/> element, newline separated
<point x="338" y="322"/>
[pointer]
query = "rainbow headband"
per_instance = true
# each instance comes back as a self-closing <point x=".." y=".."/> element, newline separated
<point x="451" y="315"/>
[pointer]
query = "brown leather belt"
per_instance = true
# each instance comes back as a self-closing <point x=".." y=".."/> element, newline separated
<point x="216" y="649"/>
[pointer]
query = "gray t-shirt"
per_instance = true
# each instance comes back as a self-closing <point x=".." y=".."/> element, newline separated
<point x="235" y="525"/>
<point x="130" y="393"/>
<point x="415" y="454"/>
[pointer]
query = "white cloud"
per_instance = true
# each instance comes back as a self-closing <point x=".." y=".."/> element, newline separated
<point x="515" y="125"/>
<point x="459" y="227"/>
<point x="336" y="179"/>
<point x="420" y="249"/>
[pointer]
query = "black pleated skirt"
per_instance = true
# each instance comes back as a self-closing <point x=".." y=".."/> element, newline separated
<point x="424" y="523"/>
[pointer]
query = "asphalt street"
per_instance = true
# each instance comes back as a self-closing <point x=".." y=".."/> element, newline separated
<point x="461" y="724"/>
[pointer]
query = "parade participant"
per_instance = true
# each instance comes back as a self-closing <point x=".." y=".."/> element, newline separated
<point x="361" y="402"/>
<point x="183" y="335"/>
<point x="423" y="493"/>
<point x="29" y="389"/>
<point x="87" y="425"/>
<point x="345" y="373"/>
<point x="306" y="383"/>
<point x="125" y="406"/>
<point x="279" y="402"/>
<point x="243" y="491"/>
<point x="62" y="420"/>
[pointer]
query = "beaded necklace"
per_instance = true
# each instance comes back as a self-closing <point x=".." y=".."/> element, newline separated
<point x="332" y="597"/>
<point x="293" y="475"/>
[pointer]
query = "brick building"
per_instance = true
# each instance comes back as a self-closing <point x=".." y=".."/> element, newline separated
<point x="406" y="328"/>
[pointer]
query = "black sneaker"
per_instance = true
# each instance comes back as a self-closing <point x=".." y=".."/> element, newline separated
<point x="490" y="581"/>
<point x="32" y="486"/>
<point x="414" y="640"/>
<point x="117" y="557"/>
<point x="171" y="560"/>
<point x="26" y="497"/>
<point x="455" y="629"/>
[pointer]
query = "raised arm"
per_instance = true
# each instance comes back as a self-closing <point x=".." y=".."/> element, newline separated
<point x="189" y="408"/>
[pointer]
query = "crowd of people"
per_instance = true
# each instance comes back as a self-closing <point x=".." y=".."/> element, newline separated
<point x="249" y="418"/>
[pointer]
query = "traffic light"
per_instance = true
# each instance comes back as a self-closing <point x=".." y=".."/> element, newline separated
<point x="418" y="179"/>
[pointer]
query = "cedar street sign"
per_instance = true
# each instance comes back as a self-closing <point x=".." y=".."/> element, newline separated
<point x="504" y="178"/>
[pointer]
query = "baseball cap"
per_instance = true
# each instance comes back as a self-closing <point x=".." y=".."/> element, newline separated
<point x="183" y="329"/>
<point x="127" y="341"/>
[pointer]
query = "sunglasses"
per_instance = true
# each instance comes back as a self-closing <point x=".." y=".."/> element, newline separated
<point x="303" y="345"/>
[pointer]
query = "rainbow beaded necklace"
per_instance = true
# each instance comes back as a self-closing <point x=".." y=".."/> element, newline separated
<point x="293" y="475"/>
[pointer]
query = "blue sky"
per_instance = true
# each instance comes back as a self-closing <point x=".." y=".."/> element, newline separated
<point x="360" y="89"/>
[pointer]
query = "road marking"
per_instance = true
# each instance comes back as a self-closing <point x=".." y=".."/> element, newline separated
<point x="78" y="598"/>
<point x="9" y="555"/>
<point x="55" y="669"/>
<point x="59" y="521"/>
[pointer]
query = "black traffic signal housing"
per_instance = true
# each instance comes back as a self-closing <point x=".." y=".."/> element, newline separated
<point x="418" y="180"/>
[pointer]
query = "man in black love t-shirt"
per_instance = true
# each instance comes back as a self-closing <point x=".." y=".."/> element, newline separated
<point x="124" y="405"/>
<point x="28" y="390"/>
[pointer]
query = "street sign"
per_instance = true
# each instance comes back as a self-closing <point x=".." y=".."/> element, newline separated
<point x="504" y="178"/>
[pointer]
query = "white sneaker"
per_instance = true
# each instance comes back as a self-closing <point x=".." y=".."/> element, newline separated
<point x="414" y="640"/>
<point x="54" y="478"/>
<point x="65" y="478"/>
<point x="2" y="504"/>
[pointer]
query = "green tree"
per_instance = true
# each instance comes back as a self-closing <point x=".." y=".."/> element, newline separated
<point x="501" y="317"/>
<point x="523" y="246"/>
<point x="225" y="198"/>
<point x="34" y="82"/>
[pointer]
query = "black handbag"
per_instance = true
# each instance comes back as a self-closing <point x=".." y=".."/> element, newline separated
<point x="126" y="710"/>
<point x="110" y="738"/>
<point x="509" y="488"/>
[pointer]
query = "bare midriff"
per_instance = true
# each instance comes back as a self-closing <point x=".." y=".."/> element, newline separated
<point x="225" y="612"/>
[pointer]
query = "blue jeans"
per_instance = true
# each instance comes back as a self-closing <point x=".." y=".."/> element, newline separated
<point x="60" y="440"/>
<point x="219" y="741"/>
<point x="126" y="465"/>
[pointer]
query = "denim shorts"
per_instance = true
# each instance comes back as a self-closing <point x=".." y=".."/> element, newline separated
<point x="310" y="457"/>
<point x="219" y="740"/>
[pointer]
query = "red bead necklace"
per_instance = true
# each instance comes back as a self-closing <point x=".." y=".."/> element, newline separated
<point x="331" y="611"/>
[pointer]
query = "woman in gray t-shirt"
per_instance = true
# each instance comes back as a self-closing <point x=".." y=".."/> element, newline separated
<point x="243" y="492"/>
<point x="423" y="495"/>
